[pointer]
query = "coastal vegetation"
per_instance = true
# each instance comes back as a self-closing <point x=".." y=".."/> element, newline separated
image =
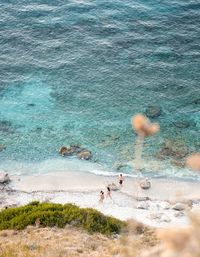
<point x="56" y="230"/>
<point x="50" y="215"/>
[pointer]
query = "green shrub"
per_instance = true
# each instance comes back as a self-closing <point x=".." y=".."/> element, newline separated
<point x="50" y="214"/>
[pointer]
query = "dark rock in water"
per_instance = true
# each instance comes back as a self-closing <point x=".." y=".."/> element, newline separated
<point x="81" y="153"/>
<point x="6" y="126"/>
<point x="4" y="178"/>
<point x="178" y="163"/>
<point x="197" y="101"/>
<point x="2" y="147"/>
<point x="30" y="105"/>
<point x="75" y="149"/>
<point x="153" y="111"/>
<point x="182" y="124"/>
<point x="38" y="129"/>
<point x="172" y="149"/>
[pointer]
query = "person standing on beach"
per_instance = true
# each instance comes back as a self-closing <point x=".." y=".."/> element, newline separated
<point x="102" y="197"/>
<point x="109" y="192"/>
<point x="121" y="179"/>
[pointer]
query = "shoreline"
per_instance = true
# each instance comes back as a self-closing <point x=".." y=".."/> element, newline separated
<point x="153" y="207"/>
<point x="79" y="181"/>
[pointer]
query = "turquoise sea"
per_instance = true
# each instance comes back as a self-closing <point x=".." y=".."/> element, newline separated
<point x="77" y="71"/>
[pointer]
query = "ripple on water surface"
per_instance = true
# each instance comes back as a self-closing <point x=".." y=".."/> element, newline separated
<point x="76" y="71"/>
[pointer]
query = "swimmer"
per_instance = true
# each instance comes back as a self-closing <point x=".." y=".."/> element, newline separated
<point x="121" y="179"/>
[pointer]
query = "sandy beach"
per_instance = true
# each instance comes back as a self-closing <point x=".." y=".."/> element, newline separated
<point x="153" y="207"/>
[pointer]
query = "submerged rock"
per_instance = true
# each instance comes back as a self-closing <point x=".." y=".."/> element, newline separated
<point x="182" y="124"/>
<point x="178" y="163"/>
<point x="6" y="126"/>
<point x="2" y="147"/>
<point x="153" y="111"/>
<point x="30" y="105"/>
<point x="197" y="101"/>
<point x="172" y="149"/>
<point x="4" y="178"/>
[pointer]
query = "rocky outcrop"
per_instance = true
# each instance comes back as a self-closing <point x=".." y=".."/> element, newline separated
<point x="153" y="111"/>
<point x="4" y="178"/>
<point x="76" y="150"/>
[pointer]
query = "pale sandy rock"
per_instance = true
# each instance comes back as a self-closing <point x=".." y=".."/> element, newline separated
<point x="155" y="216"/>
<point x="143" y="205"/>
<point x="165" y="205"/>
<point x="165" y="218"/>
<point x="178" y="214"/>
<point x="4" y="178"/>
<point x="145" y="184"/>
<point x="179" y="207"/>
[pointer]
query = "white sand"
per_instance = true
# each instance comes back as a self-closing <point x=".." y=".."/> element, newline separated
<point x="162" y="189"/>
<point x="83" y="189"/>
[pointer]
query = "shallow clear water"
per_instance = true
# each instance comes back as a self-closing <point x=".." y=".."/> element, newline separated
<point x="77" y="71"/>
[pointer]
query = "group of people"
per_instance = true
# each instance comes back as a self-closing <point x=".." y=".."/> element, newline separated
<point x="108" y="188"/>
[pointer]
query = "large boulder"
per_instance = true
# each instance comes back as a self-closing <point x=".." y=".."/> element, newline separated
<point x="4" y="178"/>
<point x="84" y="155"/>
<point x="153" y="111"/>
<point x="145" y="184"/>
<point x="76" y="150"/>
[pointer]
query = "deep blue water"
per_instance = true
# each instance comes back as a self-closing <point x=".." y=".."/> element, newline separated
<point x="77" y="71"/>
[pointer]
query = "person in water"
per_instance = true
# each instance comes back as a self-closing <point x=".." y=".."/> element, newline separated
<point x="109" y="192"/>
<point x="121" y="179"/>
<point x="102" y="197"/>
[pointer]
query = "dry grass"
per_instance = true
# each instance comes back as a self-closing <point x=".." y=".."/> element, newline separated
<point x="138" y="241"/>
<point x="73" y="242"/>
<point x="54" y="242"/>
